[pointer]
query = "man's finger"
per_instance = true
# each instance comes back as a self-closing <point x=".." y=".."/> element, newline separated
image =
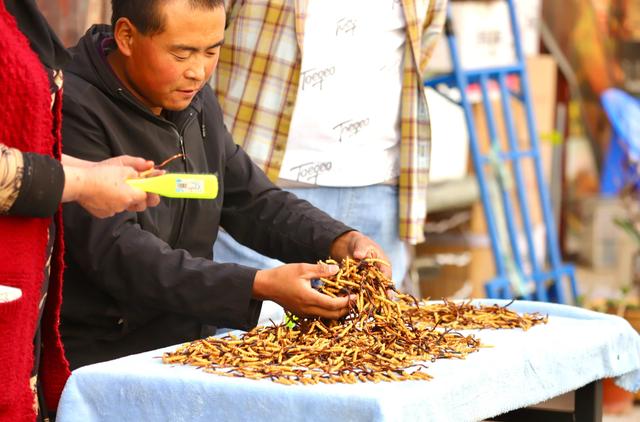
<point x="359" y="254"/>
<point x="320" y="270"/>
<point x="326" y="302"/>
<point x="385" y="269"/>
<point x="363" y="252"/>
<point x="323" y="313"/>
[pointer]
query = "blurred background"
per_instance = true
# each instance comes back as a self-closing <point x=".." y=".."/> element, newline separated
<point x="582" y="58"/>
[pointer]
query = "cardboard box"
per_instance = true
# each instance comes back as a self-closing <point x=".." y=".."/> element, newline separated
<point x="456" y="262"/>
<point x="443" y="274"/>
<point x="459" y="263"/>
<point x="484" y="35"/>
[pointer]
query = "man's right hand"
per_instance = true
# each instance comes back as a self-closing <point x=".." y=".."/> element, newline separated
<point x="290" y="286"/>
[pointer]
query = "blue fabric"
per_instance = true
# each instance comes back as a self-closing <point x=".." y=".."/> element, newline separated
<point x="372" y="210"/>
<point x="623" y="112"/>
<point x="522" y="368"/>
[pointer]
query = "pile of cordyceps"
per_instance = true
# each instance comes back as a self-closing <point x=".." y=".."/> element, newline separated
<point x="381" y="339"/>
<point x="466" y="316"/>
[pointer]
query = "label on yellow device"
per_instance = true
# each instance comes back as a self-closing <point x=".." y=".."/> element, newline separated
<point x="189" y="186"/>
<point x="179" y="185"/>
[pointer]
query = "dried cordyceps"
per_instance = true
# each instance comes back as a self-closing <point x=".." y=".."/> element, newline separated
<point x="465" y="316"/>
<point x="379" y="340"/>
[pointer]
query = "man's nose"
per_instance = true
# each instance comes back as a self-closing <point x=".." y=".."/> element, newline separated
<point x="196" y="71"/>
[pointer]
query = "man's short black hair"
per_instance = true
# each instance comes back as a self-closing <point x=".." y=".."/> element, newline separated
<point x="144" y="13"/>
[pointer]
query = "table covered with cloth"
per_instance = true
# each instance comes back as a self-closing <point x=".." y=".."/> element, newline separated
<point x="520" y="368"/>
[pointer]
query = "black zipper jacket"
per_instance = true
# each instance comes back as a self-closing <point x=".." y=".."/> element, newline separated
<point x="139" y="281"/>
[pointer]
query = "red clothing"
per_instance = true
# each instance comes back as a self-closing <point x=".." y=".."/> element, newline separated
<point x="27" y="123"/>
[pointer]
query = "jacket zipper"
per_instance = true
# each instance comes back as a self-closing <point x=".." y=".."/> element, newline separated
<point x="183" y="204"/>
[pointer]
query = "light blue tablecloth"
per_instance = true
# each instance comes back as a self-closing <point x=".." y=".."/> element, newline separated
<point x="522" y="368"/>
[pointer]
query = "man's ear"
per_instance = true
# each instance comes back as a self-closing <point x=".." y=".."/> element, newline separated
<point x="124" y="34"/>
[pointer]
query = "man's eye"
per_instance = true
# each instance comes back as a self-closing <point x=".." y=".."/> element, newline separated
<point x="180" y="58"/>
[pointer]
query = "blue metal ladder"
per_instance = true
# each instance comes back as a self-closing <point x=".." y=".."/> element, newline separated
<point x="518" y="275"/>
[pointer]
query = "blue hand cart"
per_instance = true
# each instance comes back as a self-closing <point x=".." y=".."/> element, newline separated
<point x="520" y="272"/>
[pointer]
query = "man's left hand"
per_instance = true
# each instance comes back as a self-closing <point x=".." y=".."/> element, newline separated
<point x="359" y="246"/>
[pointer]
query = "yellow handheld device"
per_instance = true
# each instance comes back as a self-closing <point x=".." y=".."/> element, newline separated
<point x="179" y="185"/>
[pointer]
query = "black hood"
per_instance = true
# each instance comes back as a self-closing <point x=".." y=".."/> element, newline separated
<point x="90" y="63"/>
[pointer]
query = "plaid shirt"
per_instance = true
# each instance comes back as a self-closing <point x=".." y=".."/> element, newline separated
<point x="257" y="82"/>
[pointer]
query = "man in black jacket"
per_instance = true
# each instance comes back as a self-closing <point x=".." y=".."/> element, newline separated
<point x="139" y="281"/>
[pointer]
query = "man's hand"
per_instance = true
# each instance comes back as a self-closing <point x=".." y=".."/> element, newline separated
<point x="359" y="246"/>
<point x="290" y="286"/>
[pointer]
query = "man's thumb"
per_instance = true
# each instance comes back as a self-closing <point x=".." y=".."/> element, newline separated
<point x="328" y="269"/>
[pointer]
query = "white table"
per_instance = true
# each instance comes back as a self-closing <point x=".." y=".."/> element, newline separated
<point x="576" y="348"/>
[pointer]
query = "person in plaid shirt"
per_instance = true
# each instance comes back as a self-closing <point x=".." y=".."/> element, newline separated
<point x="326" y="96"/>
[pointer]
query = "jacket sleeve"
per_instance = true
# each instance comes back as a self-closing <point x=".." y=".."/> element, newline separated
<point x="137" y="268"/>
<point x="31" y="184"/>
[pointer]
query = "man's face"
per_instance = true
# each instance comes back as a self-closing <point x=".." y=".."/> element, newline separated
<point x="166" y="70"/>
